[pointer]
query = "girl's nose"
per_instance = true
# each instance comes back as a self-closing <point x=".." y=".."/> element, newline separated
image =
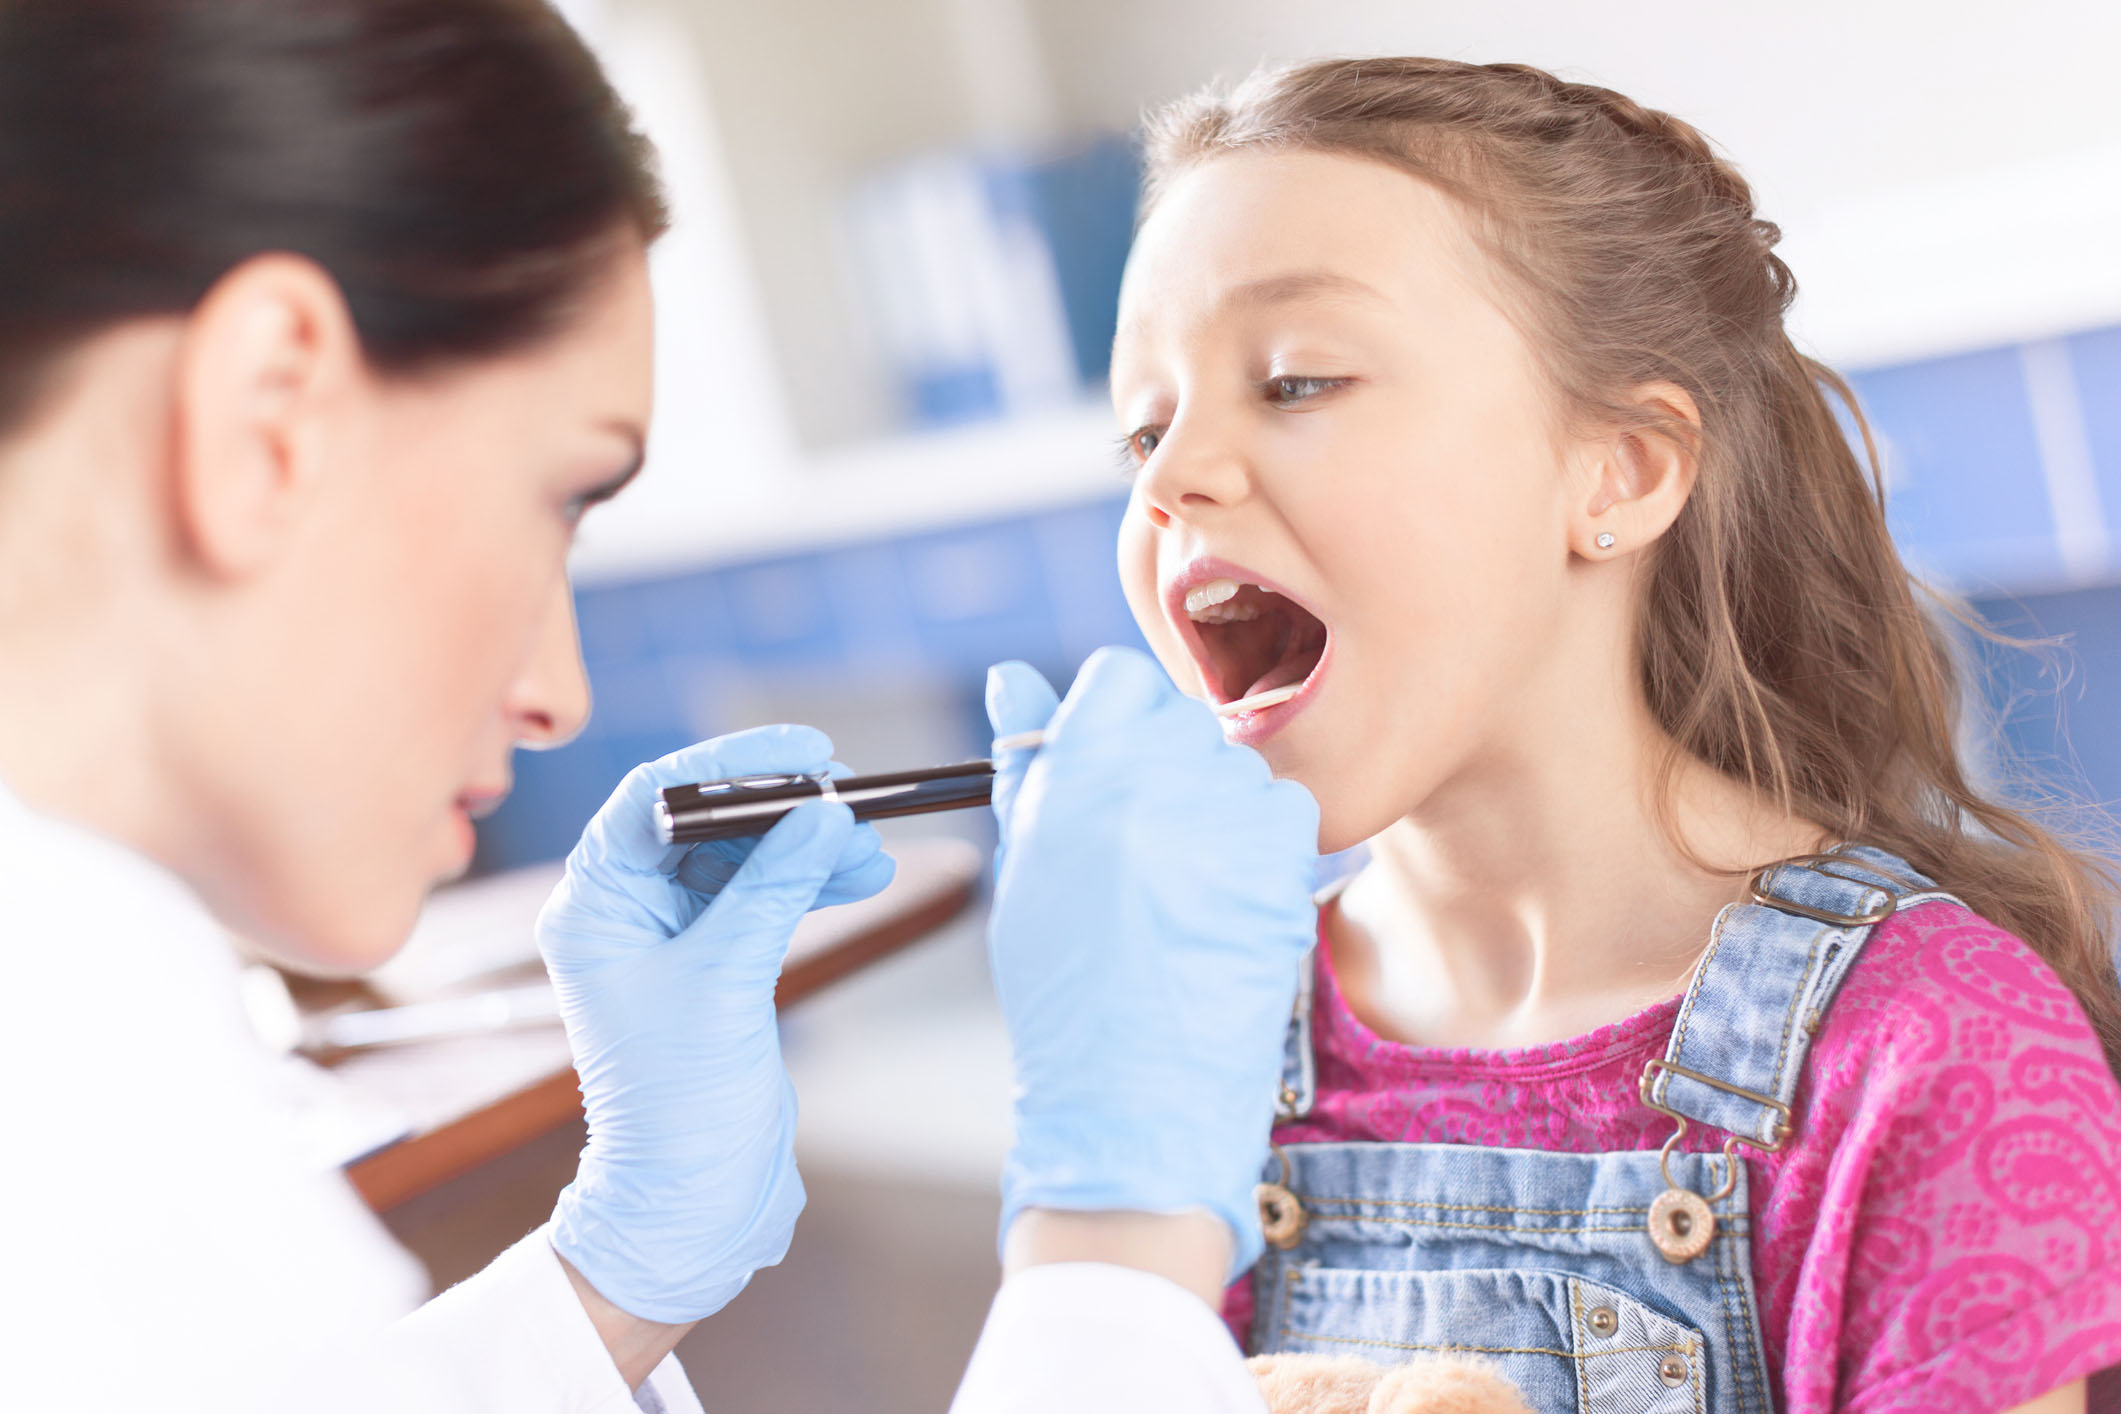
<point x="549" y="704"/>
<point x="1191" y="475"/>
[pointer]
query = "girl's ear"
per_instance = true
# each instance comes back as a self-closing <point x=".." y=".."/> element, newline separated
<point x="1639" y="480"/>
<point x="266" y="357"/>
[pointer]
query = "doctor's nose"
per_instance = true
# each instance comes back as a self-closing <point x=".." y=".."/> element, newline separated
<point x="549" y="704"/>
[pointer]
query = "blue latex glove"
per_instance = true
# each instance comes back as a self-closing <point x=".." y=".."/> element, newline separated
<point x="709" y="866"/>
<point x="688" y="1184"/>
<point x="1152" y="908"/>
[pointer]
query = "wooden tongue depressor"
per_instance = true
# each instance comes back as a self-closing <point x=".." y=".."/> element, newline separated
<point x="1257" y="702"/>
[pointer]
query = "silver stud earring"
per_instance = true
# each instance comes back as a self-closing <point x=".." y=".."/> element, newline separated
<point x="1605" y="539"/>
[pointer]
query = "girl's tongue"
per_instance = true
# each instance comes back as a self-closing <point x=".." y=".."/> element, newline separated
<point x="1253" y="640"/>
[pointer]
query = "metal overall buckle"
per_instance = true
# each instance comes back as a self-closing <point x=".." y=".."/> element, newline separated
<point x="1876" y="915"/>
<point x="1683" y="1222"/>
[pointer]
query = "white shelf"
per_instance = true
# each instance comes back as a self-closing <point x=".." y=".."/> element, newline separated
<point x="894" y="486"/>
<point x="2002" y="256"/>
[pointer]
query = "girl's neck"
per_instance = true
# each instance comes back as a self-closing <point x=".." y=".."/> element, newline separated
<point x="1535" y="901"/>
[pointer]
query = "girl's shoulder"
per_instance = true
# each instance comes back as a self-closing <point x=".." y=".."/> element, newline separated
<point x="1948" y="1007"/>
<point x="1950" y="1189"/>
<point x="1941" y="964"/>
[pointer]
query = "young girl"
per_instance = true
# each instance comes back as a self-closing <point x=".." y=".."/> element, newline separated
<point x="1461" y="403"/>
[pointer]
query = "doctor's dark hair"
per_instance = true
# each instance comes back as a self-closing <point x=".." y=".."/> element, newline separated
<point x="1778" y="636"/>
<point x="460" y="167"/>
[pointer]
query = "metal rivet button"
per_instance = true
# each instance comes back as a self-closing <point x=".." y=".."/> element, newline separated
<point x="1281" y="1216"/>
<point x="1681" y="1225"/>
<point x="1603" y="1320"/>
<point x="1672" y="1370"/>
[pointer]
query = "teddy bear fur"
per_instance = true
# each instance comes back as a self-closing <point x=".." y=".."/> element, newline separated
<point x="1348" y="1384"/>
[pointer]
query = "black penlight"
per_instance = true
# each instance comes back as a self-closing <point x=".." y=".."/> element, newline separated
<point x="752" y="805"/>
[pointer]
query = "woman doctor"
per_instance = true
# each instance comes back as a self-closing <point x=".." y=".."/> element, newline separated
<point x="322" y="322"/>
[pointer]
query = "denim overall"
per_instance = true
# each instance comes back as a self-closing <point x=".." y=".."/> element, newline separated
<point x="1597" y="1282"/>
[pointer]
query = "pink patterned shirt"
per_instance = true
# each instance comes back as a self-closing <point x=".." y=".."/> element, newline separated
<point x="1943" y="1231"/>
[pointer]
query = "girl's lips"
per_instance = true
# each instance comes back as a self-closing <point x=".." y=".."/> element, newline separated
<point x="1249" y="728"/>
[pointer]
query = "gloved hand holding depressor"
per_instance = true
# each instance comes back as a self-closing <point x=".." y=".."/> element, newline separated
<point x="688" y="1184"/>
<point x="1152" y="907"/>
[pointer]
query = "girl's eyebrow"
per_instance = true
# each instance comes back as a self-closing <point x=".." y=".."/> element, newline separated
<point x="1297" y="286"/>
<point x="1272" y="290"/>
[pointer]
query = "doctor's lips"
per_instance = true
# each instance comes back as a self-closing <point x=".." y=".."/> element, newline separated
<point x="478" y="804"/>
<point x="1246" y="638"/>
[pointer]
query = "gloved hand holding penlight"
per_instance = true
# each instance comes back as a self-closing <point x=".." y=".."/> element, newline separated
<point x="751" y="805"/>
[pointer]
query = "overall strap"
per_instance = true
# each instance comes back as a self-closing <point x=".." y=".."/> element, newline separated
<point x="1762" y="989"/>
<point x="1299" y="1073"/>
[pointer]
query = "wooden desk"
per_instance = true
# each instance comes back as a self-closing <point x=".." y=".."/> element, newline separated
<point x="473" y="1098"/>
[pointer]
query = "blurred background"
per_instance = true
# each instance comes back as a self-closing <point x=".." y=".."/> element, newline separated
<point x="881" y="459"/>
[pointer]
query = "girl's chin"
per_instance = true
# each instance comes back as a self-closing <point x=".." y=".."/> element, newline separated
<point x="1342" y="822"/>
<point x="1351" y="808"/>
<point x="1332" y="839"/>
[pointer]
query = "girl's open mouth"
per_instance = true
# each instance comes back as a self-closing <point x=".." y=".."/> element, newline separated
<point x="1252" y="640"/>
<point x="1247" y="640"/>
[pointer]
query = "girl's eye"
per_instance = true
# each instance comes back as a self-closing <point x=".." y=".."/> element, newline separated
<point x="1138" y="446"/>
<point x="1292" y="389"/>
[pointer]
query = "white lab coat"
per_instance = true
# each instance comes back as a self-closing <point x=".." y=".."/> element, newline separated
<point x="166" y="1245"/>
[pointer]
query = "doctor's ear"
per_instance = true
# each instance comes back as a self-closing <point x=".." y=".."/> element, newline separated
<point x="1637" y="480"/>
<point x="267" y="356"/>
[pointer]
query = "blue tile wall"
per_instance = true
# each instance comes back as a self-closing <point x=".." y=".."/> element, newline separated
<point x="2095" y="358"/>
<point x="1963" y="464"/>
<point x="2059" y="708"/>
<point x="977" y="596"/>
<point x="677" y="659"/>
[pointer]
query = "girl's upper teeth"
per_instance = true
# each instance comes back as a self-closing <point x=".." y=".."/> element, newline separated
<point x="1215" y="591"/>
<point x="1210" y="603"/>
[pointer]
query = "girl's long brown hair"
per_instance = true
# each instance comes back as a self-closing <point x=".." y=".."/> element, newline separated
<point x="1780" y="636"/>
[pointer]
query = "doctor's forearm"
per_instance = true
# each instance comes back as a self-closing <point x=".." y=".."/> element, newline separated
<point x="636" y="1346"/>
